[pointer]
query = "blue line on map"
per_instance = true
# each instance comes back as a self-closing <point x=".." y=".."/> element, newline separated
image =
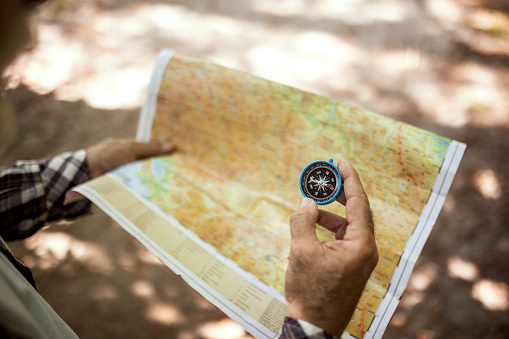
<point x="442" y="140"/>
<point x="333" y="112"/>
<point x="391" y="133"/>
<point x="347" y="145"/>
<point x="332" y="108"/>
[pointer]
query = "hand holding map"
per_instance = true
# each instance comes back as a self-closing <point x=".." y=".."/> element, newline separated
<point x="112" y="153"/>
<point x="324" y="281"/>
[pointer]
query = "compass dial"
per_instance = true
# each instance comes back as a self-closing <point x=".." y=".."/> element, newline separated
<point x="321" y="182"/>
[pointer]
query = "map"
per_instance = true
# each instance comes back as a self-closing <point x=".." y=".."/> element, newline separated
<point x="217" y="211"/>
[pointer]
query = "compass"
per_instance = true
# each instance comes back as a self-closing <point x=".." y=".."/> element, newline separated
<point x="321" y="181"/>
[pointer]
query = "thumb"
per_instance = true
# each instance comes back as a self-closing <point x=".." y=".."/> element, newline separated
<point x="151" y="149"/>
<point x="303" y="222"/>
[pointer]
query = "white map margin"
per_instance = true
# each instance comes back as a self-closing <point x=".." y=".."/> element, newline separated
<point x="148" y="110"/>
<point x="416" y="242"/>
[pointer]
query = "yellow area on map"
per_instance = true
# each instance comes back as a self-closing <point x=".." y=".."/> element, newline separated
<point x="219" y="276"/>
<point x="243" y="142"/>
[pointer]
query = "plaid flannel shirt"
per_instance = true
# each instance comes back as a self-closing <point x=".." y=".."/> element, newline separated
<point x="32" y="194"/>
<point x="299" y="329"/>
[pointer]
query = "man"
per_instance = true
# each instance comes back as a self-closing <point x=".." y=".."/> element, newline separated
<point x="323" y="282"/>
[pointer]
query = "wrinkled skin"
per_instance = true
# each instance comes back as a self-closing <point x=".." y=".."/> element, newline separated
<point x="324" y="281"/>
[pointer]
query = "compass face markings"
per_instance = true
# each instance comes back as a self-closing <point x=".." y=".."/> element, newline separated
<point x="320" y="181"/>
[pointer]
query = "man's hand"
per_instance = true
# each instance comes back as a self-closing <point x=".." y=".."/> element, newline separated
<point x="324" y="281"/>
<point x="113" y="153"/>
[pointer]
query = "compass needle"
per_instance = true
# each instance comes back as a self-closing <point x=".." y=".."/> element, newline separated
<point x="327" y="187"/>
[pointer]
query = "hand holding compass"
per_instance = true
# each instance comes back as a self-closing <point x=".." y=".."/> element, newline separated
<point x="324" y="280"/>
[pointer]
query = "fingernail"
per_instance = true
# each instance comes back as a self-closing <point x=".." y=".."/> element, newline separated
<point x="167" y="146"/>
<point x="306" y="202"/>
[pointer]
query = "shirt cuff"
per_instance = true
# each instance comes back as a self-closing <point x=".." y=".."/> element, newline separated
<point x="299" y="329"/>
<point x="60" y="174"/>
<point x="33" y="192"/>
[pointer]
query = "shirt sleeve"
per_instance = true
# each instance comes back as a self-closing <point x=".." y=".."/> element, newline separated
<point x="32" y="193"/>
<point x="300" y="329"/>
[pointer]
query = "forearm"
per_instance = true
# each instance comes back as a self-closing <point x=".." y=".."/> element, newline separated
<point x="32" y="193"/>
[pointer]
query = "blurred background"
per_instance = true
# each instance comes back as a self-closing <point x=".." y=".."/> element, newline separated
<point x="441" y="65"/>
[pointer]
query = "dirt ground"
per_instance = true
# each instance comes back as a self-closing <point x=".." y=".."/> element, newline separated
<point x="442" y="65"/>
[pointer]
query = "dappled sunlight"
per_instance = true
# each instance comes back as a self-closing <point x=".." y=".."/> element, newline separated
<point x="148" y="299"/>
<point x="493" y="295"/>
<point x="412" y="298"/>
<point x="491" y="30"/>
<point x="280" y="8"/>
<point x="298" y="64"/>
<point x="449" y="204"/>
<point x="125" y="26"/>
<point x="422" y="277"/>
<point x="104" y="292"/>
<point x="127" y="263"/>
<point x="148" y="258"/>
<point x="399" y="320"/>
<point x="67" y="67"/>
<point x="164" y="313"/>
<point x="433" y="99"/>
<point x="143" y="288"/>
<point x="449" y="12"/>
<point x="313" y="60"/>
<point x="107" y="62"/>
<point x="495" y="23"/>
<point x="356" y="11"/>
<point x="54" y="65"/>
<point x="223" y="329"/>
<point x="480" y="95"/>
<point x="461" y="269"/>
<point x="164" y="17"/>
<point x="52" y="249"/>
<point x="487" y="183"/>
<point x="427" y="334"/>
<point x="396" y="62"/>
<point x="319" y="55"/>
<point x="473" y="95"/>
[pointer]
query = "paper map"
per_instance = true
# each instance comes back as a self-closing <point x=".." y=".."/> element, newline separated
<point x="217" y="211"/>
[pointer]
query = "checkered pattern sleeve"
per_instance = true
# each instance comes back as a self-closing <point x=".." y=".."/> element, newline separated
<point x="32" y="193"/>
<point x="299" y="329"/>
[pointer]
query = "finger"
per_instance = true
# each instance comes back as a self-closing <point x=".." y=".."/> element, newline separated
<point x="352" y="185"/>
<point x="152" y="149"/>
<point x="341" y="199"/>
<point x="356" y="201"/>
<point x="303" y="222"/>
<point x="332" y="222"/>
